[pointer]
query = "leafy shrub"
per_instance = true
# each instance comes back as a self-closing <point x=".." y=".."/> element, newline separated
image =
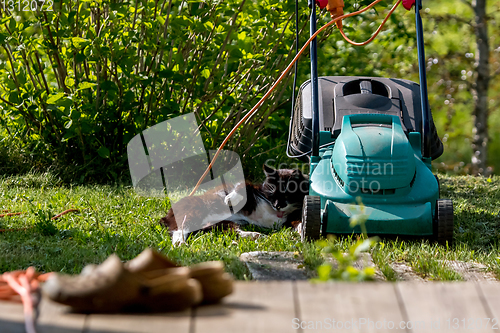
<point x="77" y="83"/>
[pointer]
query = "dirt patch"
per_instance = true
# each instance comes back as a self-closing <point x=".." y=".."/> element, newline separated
<point x="366" y="260"/>
<point x="405" y="273"/>
<point x="471" y="271"/>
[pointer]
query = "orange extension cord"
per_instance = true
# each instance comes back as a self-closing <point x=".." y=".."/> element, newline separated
<point x="23" y="286"/>
<point x="376" y="32"/>
<point x="21" y="229"/>
<point x="285" y="72"/>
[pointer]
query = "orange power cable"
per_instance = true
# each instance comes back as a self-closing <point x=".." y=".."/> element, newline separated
<point x="285" y="72"/>
<point x="376" y="32"/>
<point x="68" y="211"/>
<point x="25" y="228"/>
<point x="11" y="214"/>
<point x="23" y="286"/>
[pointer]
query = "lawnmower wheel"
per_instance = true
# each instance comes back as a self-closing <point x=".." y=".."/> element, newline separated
<point x="444" y="221"/>
<point x="311" y="218"/>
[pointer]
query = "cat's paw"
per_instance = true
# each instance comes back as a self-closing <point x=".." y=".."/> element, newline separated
<point x="234" y="198"/>
<point x="250" y="234"/>
<point x="298" y="228"/>
<point x="178" y="238"/>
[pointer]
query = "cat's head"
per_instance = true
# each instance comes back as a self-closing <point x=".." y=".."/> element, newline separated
<point x="285" y="188"/>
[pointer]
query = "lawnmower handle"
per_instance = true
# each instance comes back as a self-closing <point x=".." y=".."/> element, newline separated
<point x="369" y="118"/>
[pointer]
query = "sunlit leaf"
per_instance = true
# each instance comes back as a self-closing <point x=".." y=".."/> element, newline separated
<point x="54" y="98"/>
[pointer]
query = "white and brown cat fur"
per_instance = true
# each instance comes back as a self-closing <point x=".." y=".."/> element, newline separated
<point x="276" y="203"/>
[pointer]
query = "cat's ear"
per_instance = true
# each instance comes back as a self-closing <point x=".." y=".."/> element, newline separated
<point x="269" y="171"/>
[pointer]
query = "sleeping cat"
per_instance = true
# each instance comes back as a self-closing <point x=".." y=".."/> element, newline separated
<point x="275" y="203"/>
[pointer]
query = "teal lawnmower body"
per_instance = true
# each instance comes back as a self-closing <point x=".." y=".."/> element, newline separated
<point x="382" y="167"/>
<point x="369" y="140"/>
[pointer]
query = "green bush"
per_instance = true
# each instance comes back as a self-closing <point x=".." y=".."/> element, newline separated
<point x="78" y="82"/>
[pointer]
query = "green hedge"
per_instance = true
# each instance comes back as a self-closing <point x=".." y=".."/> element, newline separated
<point x="77" y="83"/>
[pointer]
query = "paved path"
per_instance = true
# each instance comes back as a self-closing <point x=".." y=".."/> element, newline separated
<point x="299" y="306"/>
<point x="270" y="266"/>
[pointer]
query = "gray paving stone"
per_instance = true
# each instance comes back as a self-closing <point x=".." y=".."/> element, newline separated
<point x="405" y="272"/>
<point x="471" y="271"/>
<point x="267" y="266"/>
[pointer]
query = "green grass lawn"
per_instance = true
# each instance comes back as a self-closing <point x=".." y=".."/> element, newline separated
<point x="114" y="219"/>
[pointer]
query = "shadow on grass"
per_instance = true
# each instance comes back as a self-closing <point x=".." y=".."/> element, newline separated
<point x="66" y="251"/>
<point x="478" y="229"/>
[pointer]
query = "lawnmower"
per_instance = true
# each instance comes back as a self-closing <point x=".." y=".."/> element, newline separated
<point x="369" y="140"/>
